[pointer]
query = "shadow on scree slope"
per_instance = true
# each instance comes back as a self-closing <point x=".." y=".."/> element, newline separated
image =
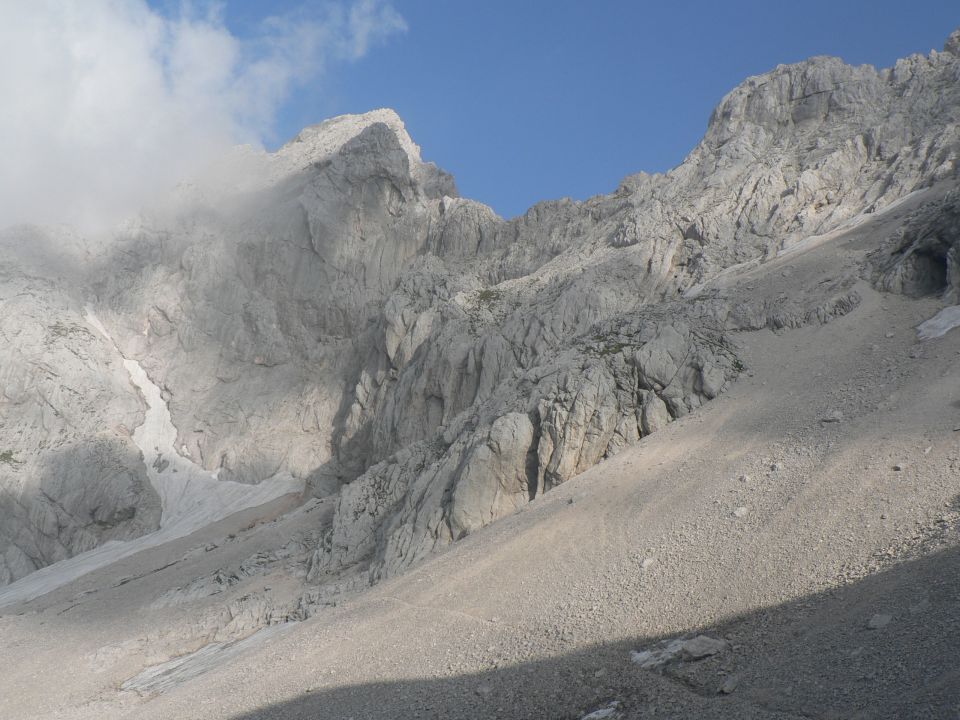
<point x="814" y="657"/>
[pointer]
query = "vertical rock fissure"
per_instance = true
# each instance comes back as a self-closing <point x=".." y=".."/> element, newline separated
<point x="532" y="467"/>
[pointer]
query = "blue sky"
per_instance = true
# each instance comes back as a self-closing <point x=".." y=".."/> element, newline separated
<point x="537" y="99"/>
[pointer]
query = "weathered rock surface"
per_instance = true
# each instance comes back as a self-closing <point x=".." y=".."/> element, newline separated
<point x="70" y="475"/>
<point x="335" y="312"/>
<point x="691" y="650"/>
<point x="923" y="257"/>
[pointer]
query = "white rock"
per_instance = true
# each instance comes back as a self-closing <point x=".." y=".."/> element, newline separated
<point x="612" y="711"/>
<point x="878" y="621"/>
<point x="696" y="648"/>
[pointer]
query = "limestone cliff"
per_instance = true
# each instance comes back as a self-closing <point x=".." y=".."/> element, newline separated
<point x="335" y="310"/>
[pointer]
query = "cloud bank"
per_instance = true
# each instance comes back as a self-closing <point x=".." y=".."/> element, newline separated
<point x="108" y="102"/>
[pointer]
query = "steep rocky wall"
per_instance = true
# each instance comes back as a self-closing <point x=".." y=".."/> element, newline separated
<point x="71" y="477"/>
<point x="336" y="312"/>
<point x="280" y="322"/>
<point x="250" y="319"/>
<point x="789" y="154"/>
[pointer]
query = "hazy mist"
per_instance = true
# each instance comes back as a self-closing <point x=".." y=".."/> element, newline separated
<point x="108" y="102"/>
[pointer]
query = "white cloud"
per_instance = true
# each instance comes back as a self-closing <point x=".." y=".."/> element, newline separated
<point x="371" y="22"/>
<point x="107" y="102"/>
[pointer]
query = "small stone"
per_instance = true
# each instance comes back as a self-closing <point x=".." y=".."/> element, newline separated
<point x="730" y="684"/>
<point x="776" y="467"/>
<point x="694" y="649"/>
<point x="880" y="620"/>
<point x="889" y="335"/>
<point x="897" y="468"/>
<point x="648" y="563"/>
<point x="645" y="658"/>
<point x="744" y="478"/>
<point x="926" y="450"/>
<point x="609" y="712"/>
<point x="701" y="647"/>
<point x="832" y="416"/>
<point x="741" y="511"/>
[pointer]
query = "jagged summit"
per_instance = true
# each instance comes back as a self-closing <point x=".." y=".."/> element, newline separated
<point x="952" y="45"/>
<point x="372" y="139"/>
<point x="373" y="135"/>
<point x="825" y="90"/>
<point x="321" y="140"/>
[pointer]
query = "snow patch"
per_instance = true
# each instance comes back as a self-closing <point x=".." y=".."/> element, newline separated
<point x="940" y="324"/>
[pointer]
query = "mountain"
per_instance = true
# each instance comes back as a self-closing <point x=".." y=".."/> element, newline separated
<point x="308" y="372"/>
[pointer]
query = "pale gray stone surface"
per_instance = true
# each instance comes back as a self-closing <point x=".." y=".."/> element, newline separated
<point x="693" y="649"/>
<point x="335" y="312"/>
<point x="70" y="475"/>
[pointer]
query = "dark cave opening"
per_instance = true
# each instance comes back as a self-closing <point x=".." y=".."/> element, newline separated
<point x="925" y="272"/>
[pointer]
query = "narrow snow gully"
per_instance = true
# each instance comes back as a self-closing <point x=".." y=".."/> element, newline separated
<point x="191" y="497"/>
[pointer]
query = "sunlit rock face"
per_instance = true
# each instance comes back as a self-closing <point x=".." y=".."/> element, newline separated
<point x="335" y="312"/>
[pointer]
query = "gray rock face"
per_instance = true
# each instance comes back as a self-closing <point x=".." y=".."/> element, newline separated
<point x="335" y="311"/>
<point x="550" y="313"/>
<point x="70" y="474"/>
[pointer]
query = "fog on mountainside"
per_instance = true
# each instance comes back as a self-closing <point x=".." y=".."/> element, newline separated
<point x="111" y="104"/>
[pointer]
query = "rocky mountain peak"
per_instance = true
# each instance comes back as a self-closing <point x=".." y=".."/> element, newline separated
<point x="317" y="142"/>
<point x="825" y="98"/>
<point x="952" y="45"/>
<point x="795" y="99"/>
